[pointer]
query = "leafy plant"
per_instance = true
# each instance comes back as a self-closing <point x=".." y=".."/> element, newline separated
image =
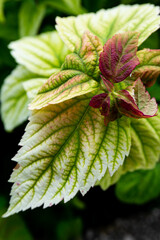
<point x="93" y="120"/>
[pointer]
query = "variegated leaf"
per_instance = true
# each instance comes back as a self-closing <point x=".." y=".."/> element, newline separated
<point x="144" y="153"/>
<point x="14" y="99"/>
<point x="66" y="148"/>
<point x="79" y="75"/>
<point x="43" y="54"/>
<point x="149" y="68"/>
<point x="144" y="19"/>
<point x="118" y="58"/>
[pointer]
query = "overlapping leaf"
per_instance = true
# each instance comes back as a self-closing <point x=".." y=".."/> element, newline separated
<point x="79" y="75"/>
<point x="140" y="105"/>
<point x="42" y="55"/>
<point x="140" y="186"/>
<point x="149" y="68"/>
<point x="118" y="58"/>
<point x="66" y="148"/>
<point x="105" y="23"/>
<point x="14" y="98"/>
<point x="145" y="149"/>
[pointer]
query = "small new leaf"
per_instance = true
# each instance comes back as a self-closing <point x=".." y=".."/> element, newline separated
<point x="138" y="106"/>
<point x="118" y="58"/>
<point x="149" y="68"/>
<point x="79" y="75"/>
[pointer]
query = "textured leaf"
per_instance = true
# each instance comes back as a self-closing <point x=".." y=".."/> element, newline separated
<point x="32" y="86"/>
<point x="42" y="55"/>
<point x="14" y="99"/>
<point x="78" y="75"/>
<point x="139" y="187"/>
<point x="29" y="23"/>
<point x="149" y="68"/>
<point x="66" y="148"/>
<point x="106" y="23"/>
<point x="118" y="58"/>
<point x="145" y="149"/>
<point x="141" y="106"/>
<point x="145" y="104"/>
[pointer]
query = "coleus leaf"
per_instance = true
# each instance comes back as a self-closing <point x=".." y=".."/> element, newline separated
<point x="14" y="99"/>
<point x="79" y="75"/>
<point x="144" y="19"/>
<point x="43" y="54"/>
<point x="140" y="186"/>
<point x="144" y="152"/>
<point x="138" y="106"/>
<point x="118" y="58"/>
<point x="66" y="148"/>
<point x="149" y="68"/>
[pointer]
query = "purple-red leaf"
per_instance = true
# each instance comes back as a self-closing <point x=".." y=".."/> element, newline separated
<point x="141" y="106"/>
<point x="108" y="84"/>
<point x="101" y="101"/>
<point x="118" y="58"/>
<point x="97" y="101"/>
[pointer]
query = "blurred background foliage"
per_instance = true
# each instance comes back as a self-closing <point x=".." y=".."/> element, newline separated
<point x="19" y="18"/>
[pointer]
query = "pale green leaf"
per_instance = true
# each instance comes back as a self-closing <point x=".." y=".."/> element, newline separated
<point x="29" y="23"/>
<point x="145" y="149"/>
<point x="140" y="186"/>
<point x="79" y="75"/>
<point x="43" y="54"/>
<point x="144" y="19"/>
<point x="66" y="148"/>
<point x="14" y="99"/>
<point x="32" y="86"/>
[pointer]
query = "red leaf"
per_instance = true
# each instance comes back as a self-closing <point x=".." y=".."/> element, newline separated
<point x="118" y="58"/>
<point x="97" y="101"/>
<point x="141" y="106"/>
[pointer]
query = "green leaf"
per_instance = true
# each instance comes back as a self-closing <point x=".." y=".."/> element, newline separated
<point x="139" y="187"/>
<point x="79" y="75"/>
<point x="69" y="7"/>
<point x="149" y="68"/>
<point x="32" y="86"/>
<point x="145" y="147"/>
<point x="29" y="23"/>
<point x="105" y="23"/>
<point x="14" y="98"/>
<point x="42" y="55"/>
<point x="66" y="148"/>
<point x="144" y="152"/>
